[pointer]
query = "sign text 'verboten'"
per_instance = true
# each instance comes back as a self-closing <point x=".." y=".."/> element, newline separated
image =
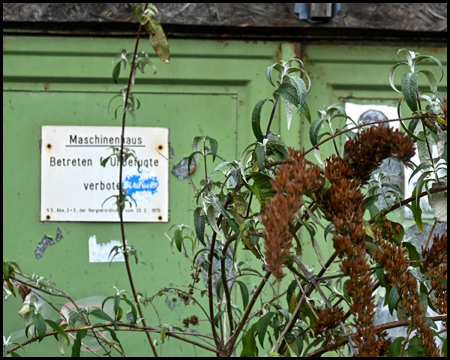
<point x="74" y="184"/>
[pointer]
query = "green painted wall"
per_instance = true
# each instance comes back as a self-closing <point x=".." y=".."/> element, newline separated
<point x="209" y="88"/>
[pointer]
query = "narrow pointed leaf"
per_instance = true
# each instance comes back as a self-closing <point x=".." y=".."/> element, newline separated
<point x="214" y="146"/>
<point x="409" y="87"/>
<point x="244" y="292"/>
<point x="259" y="151"/>
<point x="394" y="297"/>
<point x="59" y="329"/>
<point x="256" y="120"/>
<point x="178" y="239"/>
<point x="261" y="326"/>
<point x="300" y="85"/>
<point x="288" y="106"/>
<point x="199" y="224"/>
<point x="101" y="315"/>
<point x="116" y="72"/>
<point x="314" y="131"/>
<point x="288" y="92"/>
<point x="304" y="109"/>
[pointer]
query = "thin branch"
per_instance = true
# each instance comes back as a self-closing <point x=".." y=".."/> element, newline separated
<point x="377" y="329"/>
<point x="230" y="344"/>
<point x="272" y="115"/>
<point x="122" y="228"/>
<point x="292" y="320"/>
<point x="429" y="237"/>
<point x="312" y="281"/>
<point x="363" y="125"/>
<point x="210" y="288"/>
<point x="408" y="200"/>
<point x="147" y="329"/>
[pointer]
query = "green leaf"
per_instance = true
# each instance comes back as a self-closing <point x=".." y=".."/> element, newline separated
<point x="290" y="295"/>
<point x="370" y="200"/>
<point x="421" y="167"/>
<point x="214" y="146"/>
<point x="199" y="224"/>
<point x="288" y="92"/>
<point x="109" y="297"/>
<point x="244" y="292"/>
<point x="409" y="90"/>
<point x="249" y="348"/>
<point x="431" y="79"/>
<point x="77" y="343"/>
<point x="288" y="107"/>
<point x="417" y="212"/>
<point x="211" y="216"/>
<point x="396" y="347"/>
<point x="394" y="298"/>
<point x="391" y="75"/>
<point x="138" y="13"/>
<point x="99" y="314"/>
<point x="39" y="323"/>
<point x="219" y="207"/>
<point x="412" y="251"/>
<point x="217" y="317"/>
<point x="262" y="188"/>
<point x="59" y="329"/>
<point x="261" y="326"/>
<point x="113" y="335"/>
<point x="314" y="131"/>
<point x="178" y="239"/>
<point x="163" y="333"/>
<point x="300" y="86"/>
<point x="424" y="57"/>
<point x="275" y="66"/>
<point x="304" y="109"/>
<point x="133" y="308"/>
<point x="444" y="348"/>
<point x="415" y="349"/>
<point x="256" y="120"/>
<point x="260" y="153"/>
<point x="116" y="72"/>
<point x="410" y="134"/>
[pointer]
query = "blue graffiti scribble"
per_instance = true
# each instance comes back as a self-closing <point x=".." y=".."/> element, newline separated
<point x="142" y="186"/>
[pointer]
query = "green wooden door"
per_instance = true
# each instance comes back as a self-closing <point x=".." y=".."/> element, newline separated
<point x="209" y="88"/>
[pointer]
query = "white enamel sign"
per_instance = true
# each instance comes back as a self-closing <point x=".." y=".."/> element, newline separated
<point x="74" y="184"/>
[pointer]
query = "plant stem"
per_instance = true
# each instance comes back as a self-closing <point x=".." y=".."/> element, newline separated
<point x="230" y="344"/>
<point x="122" y="228"/>
<point x="377" y="329"/>
<point x="359" y="126"/>
<point x="272" y="116"/>
<point x="210" y="289"/>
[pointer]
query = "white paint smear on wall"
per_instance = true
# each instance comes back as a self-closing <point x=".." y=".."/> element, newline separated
<point x="100" y="252"/>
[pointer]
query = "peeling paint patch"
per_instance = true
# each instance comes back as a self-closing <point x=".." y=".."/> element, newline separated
<point x="100" y="252"/>
<point x="46" y="242"/>
<point x="180" y="170"/>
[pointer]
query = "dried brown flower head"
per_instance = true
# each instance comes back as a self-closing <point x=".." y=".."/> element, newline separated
<point x="328" y="319"/>
<point x="369" y="148"/>
<point x="294" y="179"/>
<point x="437" y="254"/>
